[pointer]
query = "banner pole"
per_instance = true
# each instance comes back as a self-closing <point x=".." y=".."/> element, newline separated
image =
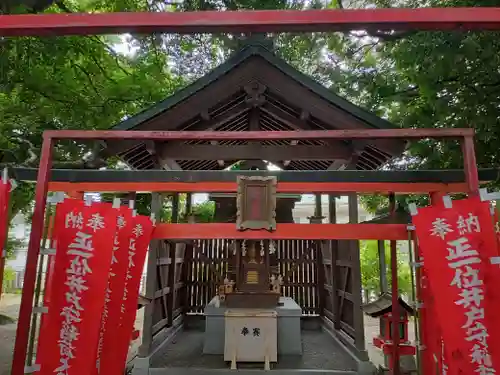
<point x="38" y="286"/>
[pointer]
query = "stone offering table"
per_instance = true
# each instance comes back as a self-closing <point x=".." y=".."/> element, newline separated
<point x="289" y="333"/>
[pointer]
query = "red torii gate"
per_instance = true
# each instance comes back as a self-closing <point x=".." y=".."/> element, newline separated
<point x="241" y="21"/>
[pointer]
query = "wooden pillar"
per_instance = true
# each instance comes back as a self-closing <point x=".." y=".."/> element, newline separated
<point x="186" y="274"/>
<point x="175" y="208"/>
<point x="151" y="283"/>
<point x="172" y="251"/>
<point x="132" y="196"/>
<point x="332" y="218"/>
<point x="357" y="299"/>
<point x="317" y="218"/>
<point x="189" y="204"/>
<point x="332" y="209"/>
<point x="382" y="266"/>
<point x="318" y="209"/>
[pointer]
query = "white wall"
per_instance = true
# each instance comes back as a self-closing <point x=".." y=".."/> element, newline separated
<point x="305" y="209"/>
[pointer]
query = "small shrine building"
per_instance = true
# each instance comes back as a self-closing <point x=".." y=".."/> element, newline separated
<point x="321" y="280"/>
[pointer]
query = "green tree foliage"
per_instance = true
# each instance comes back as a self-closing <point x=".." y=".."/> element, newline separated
<point x="414" y="79"/>
<point x="202" y="212"/>
<point x="370" y="269"/>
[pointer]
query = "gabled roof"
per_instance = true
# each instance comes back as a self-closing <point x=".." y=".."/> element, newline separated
<point x="238" y="58"/>
<point x="221" y="96"/>
<point x="383" y="305"/>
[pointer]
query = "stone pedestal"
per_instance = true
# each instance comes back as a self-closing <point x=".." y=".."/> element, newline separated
<point x="289" y="334"/>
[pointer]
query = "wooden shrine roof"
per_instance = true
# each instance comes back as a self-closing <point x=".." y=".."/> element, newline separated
<point x="399" y="217"/>
<point x="383" y="305"/>
<point x="255" y="90"/>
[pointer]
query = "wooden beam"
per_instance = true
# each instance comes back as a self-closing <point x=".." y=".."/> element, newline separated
<point x="283" y="231"/>
<point x="169" y="164"/>
<point x="219" y="120"/>
<point x="283" y="116"/>
<point x="302" y="124"/>
<point x="180" y="151"/>
<point x="344" y="134"/>
<point x="394" y="19"/>
<point x="282" y="187"/>
<point x="442" y="176"/>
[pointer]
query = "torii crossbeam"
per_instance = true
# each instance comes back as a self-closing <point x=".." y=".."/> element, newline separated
<point x="393" y="19"/>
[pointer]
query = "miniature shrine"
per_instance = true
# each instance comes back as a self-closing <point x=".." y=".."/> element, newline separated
<point x="251" y="289"/>
<point x="382" y="309"/>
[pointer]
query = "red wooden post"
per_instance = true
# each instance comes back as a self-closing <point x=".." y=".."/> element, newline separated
<point x="395" y="295"/>
<point x="470" y="166"/>
<point x="26" y="309"/>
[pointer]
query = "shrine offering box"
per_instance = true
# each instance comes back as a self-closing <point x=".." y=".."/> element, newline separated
<point x="251" y="336"/>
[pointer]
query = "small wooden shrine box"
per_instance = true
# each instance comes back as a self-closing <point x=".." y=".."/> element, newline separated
<point x="252" y="272"/>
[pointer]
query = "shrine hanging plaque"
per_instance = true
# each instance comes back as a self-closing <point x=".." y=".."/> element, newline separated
<point x="256" y="203"/>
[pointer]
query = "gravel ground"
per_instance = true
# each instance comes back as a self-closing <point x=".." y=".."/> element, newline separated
<point x="319" y="352"/>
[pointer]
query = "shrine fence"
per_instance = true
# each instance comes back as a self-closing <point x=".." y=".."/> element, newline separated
<point x="297" y="261"/>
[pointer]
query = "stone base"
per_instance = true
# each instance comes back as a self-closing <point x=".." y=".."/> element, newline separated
<point x="289" y="334"/>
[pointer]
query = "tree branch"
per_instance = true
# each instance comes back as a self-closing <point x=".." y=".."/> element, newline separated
<point x="89" y="78"/>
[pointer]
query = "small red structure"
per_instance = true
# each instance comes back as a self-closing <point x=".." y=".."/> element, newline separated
<point x="382" y="309"/>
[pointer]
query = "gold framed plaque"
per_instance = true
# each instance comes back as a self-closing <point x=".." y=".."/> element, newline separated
<point x="256" y="203"/>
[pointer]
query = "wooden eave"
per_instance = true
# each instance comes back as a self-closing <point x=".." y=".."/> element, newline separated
<point x="383" y="305"/>
<point x="399" y="217"/>
<point x="220" y="100"/>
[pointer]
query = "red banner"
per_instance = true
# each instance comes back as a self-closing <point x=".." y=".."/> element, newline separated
<point x="139" y="239"/>
<point x="69" y="337"/>
<point x="5" y="187"/>
<point x="110" y="324"/>
<point x="457" y="245"/>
